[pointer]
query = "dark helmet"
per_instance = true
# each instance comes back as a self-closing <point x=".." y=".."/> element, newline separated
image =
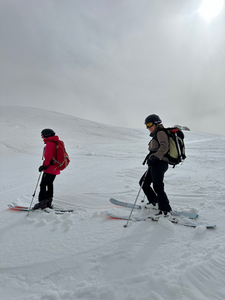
<point x="154" y="119"/>
<point x="47" y="133"/>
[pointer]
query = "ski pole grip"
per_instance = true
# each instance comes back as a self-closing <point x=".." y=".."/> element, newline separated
<point x="175" y="130"/>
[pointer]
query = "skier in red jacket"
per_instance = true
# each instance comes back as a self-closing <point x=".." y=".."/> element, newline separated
<point x="49" y="170"/>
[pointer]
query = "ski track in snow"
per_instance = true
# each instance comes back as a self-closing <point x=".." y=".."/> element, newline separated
<point x="87" y="255"/>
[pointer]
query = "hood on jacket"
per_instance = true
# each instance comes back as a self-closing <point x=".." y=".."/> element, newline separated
<point x="54" y="138"/>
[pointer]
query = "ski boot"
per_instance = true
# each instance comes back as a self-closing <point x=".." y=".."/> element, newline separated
<point x="40" y="205"/>
<point x="49" y="202"/>
<point x="153" y="205"/>
<point x="164" y="214"/>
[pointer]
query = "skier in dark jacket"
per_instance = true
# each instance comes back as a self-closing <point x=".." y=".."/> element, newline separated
<point x="158" y="165"/>
<point x="49" y="170"/>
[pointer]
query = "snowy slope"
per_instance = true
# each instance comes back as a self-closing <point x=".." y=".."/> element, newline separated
<point x="85" y="254"/>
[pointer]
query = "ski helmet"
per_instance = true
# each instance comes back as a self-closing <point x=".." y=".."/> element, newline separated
<point x="152" y="119"/>
<point x="47" y="133"/>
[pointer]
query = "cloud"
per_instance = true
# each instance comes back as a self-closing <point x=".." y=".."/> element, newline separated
<point x="115" y="62"/>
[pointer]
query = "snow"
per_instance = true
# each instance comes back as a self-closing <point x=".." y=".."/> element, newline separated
<point x="87" y="255"/>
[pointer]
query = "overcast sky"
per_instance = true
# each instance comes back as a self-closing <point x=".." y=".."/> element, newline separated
<point x="115" y="61"/>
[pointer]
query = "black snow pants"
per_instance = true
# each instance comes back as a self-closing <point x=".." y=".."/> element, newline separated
<point x="46" y="187"/>
<point x="155" y="177"/>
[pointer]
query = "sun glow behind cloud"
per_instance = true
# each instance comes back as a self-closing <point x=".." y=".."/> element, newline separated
<point x="211" y="8"/>
<point x="92" y="59"/>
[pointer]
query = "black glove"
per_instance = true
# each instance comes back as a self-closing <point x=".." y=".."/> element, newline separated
<point x="152" y="160"/>
<point x="42" y="168"/>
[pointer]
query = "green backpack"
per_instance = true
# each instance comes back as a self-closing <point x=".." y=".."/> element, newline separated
<point x="176" y="152"/>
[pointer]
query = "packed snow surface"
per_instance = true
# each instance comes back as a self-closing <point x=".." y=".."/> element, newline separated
<point x="87" y="255"/>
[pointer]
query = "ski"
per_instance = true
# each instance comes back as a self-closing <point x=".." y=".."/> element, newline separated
<point x="173" y="213"/>
<point x="134" y="218"/>
<point x="25" y="208"/>
<point x="124" y="204"/>
<point x="54" y="209"/>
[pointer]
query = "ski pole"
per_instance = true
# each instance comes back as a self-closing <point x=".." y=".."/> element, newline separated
<point x="177" y="142"/>
<point x="136" y="198"/>
<point x="34" y="194"/>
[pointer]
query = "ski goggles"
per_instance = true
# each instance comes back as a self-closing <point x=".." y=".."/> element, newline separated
<point x="149" y="125"/>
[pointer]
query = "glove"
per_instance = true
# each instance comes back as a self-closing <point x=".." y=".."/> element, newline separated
<point x="42" y="168"/>
<point x="152" y="160"/>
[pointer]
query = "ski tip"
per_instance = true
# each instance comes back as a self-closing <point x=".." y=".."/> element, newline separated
<point x="210" y="226"/>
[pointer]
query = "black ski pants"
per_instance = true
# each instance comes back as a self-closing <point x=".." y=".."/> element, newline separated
<point x="155" y="176"/>
<point x="46" y="187"/>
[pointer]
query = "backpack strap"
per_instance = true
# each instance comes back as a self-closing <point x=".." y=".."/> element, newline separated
<point x="155" y="136"/>
<point x="51" y="162"/>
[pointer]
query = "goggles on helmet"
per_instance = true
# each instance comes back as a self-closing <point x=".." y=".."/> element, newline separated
<point x="149" y="125"/>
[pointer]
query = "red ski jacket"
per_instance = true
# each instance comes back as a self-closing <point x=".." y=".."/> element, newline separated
<point x="49" y="152"/>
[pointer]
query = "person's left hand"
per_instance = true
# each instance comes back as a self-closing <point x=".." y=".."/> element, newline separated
<point x="42" y="168"/>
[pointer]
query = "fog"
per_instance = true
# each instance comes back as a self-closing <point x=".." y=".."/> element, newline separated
<point x="115" y="62"/>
